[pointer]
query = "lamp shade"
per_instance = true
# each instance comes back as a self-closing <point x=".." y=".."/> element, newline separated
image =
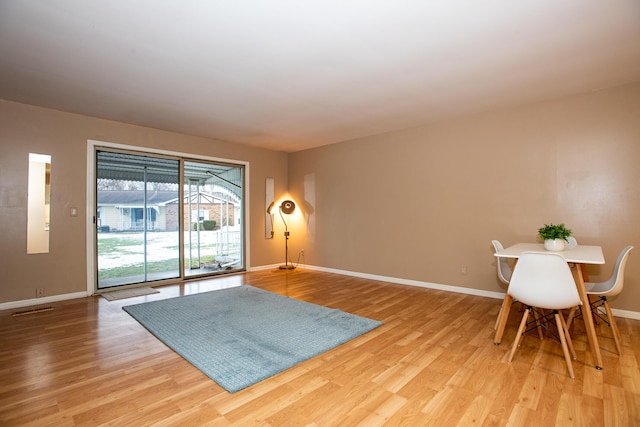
<point x="288" y="207"/>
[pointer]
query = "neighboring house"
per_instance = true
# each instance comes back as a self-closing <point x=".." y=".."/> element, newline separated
<point x="221" y="207"/>
<point x="123" y="210"/>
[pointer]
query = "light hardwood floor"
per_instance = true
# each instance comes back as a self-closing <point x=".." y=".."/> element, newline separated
<point x="433" y="362"/>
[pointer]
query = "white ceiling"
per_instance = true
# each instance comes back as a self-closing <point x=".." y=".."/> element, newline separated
<point x="295" y="74"/>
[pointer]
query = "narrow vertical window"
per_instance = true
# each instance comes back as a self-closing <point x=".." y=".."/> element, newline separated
<point x="38" y="203"/>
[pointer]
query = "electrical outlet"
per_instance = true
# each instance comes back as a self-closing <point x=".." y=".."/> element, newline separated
<point x="463" y="270"/>
<point x="39" y="292"/>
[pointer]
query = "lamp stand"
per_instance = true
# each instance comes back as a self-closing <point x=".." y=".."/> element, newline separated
<point x="286" y="265"/>
<point x="286" y="207"/>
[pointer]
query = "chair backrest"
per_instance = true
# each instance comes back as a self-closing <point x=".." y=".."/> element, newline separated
<point x="614" y="285"/>
<point x="544" y="280"/>
<point x="504" y="270"/>
<point x="571" y="242"/>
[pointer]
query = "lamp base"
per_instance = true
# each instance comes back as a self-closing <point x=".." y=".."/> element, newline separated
<point x="287" y="267"/>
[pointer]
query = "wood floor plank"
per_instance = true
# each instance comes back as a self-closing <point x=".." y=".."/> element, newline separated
<point x="433" y="362"/>
<point x="476" y="413"/>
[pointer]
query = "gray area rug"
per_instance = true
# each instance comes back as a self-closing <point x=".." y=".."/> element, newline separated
<point x="240" y="336"/>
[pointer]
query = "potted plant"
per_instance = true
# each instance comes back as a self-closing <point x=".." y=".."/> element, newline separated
<point x="554" y="236"/>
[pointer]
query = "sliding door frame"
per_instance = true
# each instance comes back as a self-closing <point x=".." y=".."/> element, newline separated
<point x="91" y="234"/>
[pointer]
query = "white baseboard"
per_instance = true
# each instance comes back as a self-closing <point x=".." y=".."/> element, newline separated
<point x="626" y="314"/>
<point x="39" y="301"/>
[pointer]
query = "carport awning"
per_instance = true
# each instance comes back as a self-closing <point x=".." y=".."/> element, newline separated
<point x="128" y="167"/>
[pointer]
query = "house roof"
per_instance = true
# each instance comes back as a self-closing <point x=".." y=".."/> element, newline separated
<point x="290" y="75"/>
<point x="135" y="197"/>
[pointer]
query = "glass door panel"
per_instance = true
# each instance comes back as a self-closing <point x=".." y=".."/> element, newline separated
<point x="212" y="221"/>
<point x="137" y="218"/>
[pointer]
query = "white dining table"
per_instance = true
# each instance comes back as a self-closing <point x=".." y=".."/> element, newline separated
<point x="578" y="258"/>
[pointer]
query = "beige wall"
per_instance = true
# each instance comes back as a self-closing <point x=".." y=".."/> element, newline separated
<point x="421" y="203"/>
<point x="416" y="204"/>
<point x="64" y="136"/>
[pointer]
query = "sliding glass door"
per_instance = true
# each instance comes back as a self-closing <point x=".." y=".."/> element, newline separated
<point x="213" y="229"/>
<point x="162" y="218"/>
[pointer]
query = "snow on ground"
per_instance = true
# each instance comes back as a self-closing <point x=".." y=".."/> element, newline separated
<point x="161" y="246"/>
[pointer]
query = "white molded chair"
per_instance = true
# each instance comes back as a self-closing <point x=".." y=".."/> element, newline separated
<point x="609" y="288"/>
<point x="504" y="270"/>
<point x="544" y="280"/>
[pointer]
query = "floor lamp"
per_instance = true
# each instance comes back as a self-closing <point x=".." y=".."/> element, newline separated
<point x="286" y="207"/>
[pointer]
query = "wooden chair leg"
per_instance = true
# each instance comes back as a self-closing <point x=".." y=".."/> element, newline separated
<point x="521" y="328"/>
<point x="568" y="337"/>
<point x="563" y="341"/>
<point x="594" y="309"/>
<point x="571" y="316"/>
<point x="495" y="327"/>
<point x="538" y="324"/>
<point x="614" y="326"/>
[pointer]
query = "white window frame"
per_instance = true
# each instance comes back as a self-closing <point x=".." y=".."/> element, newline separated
<point x="91" y="202"/>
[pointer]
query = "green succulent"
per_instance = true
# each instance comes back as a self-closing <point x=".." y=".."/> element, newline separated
<point x="553" y="231"/>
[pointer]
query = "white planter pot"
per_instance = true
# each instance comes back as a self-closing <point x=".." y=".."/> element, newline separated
<point x="555" y="245"/>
